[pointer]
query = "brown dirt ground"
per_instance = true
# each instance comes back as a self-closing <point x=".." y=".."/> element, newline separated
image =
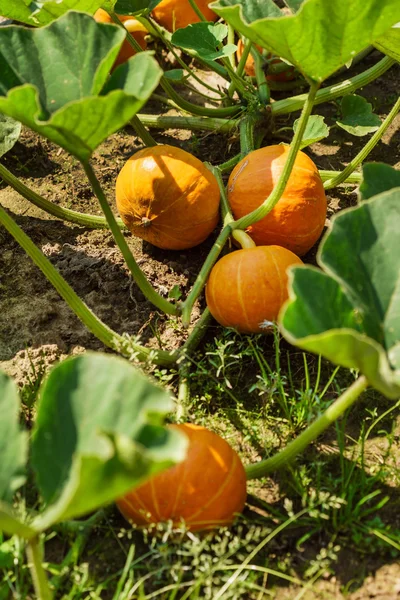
<point x="36" y="326"/>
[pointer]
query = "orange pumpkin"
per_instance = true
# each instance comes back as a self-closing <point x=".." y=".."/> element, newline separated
<point x="167" y="197"/>
<point x="175" y="14"/>
<point x="297" y="220"/>
<point x="249" y="68"/>
<point x="247" y="288"/>
<point x="138" y="31"/>
<point x="206" y="490"/>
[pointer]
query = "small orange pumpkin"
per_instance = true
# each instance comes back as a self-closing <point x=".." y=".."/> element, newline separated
<point x="138" y="31"/>
<point x="206" y="490"/>
<point x="247" y="288"/>
<point x="249" y="68"/>
<point x="297" y="220"/>
<point x="167" y="197"/>
<point x="175" y="14"/>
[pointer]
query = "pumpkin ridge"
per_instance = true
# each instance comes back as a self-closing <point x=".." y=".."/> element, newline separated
<point x="218" y="492"/>
<point x="165" y="226"/>
<point x="154" y="497"/>
<point x="210" y="291"/>
<point x="184" y="194"/>
<point x="141" y="514"/>
<point x="134" y="212"/>
<point x="273" y="260"/>
<point x="239" y="289"/>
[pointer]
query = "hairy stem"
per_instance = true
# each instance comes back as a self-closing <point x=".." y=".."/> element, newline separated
<point x="353" y="178"/>
<point x="137" y="274"/>
<point x="294" y="448"/>
<point x="92" y="221"/>
<point x="106" y="335"/>
<point x="289" y="105"/>
<point x="261" y="79"/>
<point x="361" y="156"/>
<point x="39" y="577"/>
<point x="192" y="123"/>
<point x="142" y="132"/>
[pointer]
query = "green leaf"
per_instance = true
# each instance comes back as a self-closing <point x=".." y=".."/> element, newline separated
<point x="316" y="129"/>
<point x="9" y="133"/>
<point x="10" y="523"/>
<point x="204" y="39"/>
<point x="378" y="178"/>
<point x="175" y="75"/>
<point x="13" y="441"/>
<point x="37" y="13"/>
<point x="350" y="311"/>
<point x="321" y="37"/>
<point x="98" y="434"/>
<point x="58" y="98"/>
<point x="390" y="42"/>
<point x="135" y="7"/>
<point x="357" y="116"/>
<point x="294" y="5"/>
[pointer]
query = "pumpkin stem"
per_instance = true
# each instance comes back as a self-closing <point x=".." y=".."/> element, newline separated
<point x="243" y="238"/>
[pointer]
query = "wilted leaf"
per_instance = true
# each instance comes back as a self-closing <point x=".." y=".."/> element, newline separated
<point x="98" y="434"/>
<point x="357" y="116"/>
<point x="378" y="178"/>
<point x="390" y="42"/>
<point x="204" y="39"/>
<point x="9" y="133"/>
<point x="321" y="37"/>
<point x="13" y="441"/>
<point x="43" y="12"/>
<point x="350" y="311"/>
<point x="57" y="97"/>
<point x="316" y="129"/>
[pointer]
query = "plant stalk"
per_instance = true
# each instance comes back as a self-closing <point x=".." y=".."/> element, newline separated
<point x="361" y="156"/>
<point x="196" y="9"/>
<point x="142" y="132"/>
<point x="104" y="333"/>
<point x="137" y="274"/>
<point x="92" y="221"/>
<point x="294" y="448"/>
<point x="192" y="123"/>
<point x="35" y="562"/>
<point x="289" y="105"/>
<point x="353" y="178"/>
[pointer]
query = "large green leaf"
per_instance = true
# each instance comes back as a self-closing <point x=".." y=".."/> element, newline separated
<point x="350" y="311"/>
<point x="98" y="434"/>
<point x="58" y="97"/>
<point x="316" y="130"/>
<point x="321" y="37"/>
<point x="134" y="7"/>
<point x="13" y="441"/>
<point x="377" y="178"/>
<point x="204" y="39"/>
<point x="9" y="133"/>
<point x="43" y="12"/>
<point x="390" y="42"/>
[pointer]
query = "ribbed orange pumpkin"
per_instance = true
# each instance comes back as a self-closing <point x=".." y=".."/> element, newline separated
<point x="297" y="220"/>
<point x="249" y="68"/>
<point x="167" y="197"/>
<point x="206" y="490"/>
<point x="138" y="31"/>
<point x="174" y="14"/>
<point x="247" y="288"/>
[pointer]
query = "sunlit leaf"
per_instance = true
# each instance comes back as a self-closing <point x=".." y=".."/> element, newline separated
<point x="316" y="130"/>
<point x="350" y="311"/>
<point x="12" y="525"/>
<point x="204" y="39"/>
<point x="38" y="13"/>
<point x="9" y="133"/>
<point x="357" y="116"/>
<point x="321" y="37"/>
<point x="98" y="433"/>
<point x="378" y="178"/>
<point x="390" y="42"/>
<point x="13" y="441"/>
<point x="57" y="97"/>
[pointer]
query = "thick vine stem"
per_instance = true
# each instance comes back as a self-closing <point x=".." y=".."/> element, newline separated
<point x="142" y="132"/>
<point x="35" y="563"/>
<point x="192" y="123"/>
<point x="289" y="105"/>
<point x="294" y="448"/>
<point x="196" y="9"/>
<point x="72" y="216"/>
<point x="137" y="274"/>
<point x="354" y="178"/>
<point x="106" y="335"/>
<point x="247" y="126"/>
<point x="261" y="79"/>
<point x="260" y="212"/>
<point x="361" y="156"/>
<point x="183" y="391"/>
